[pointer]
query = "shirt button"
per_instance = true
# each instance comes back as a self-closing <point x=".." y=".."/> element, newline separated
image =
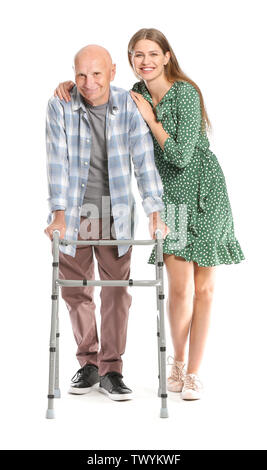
<point x="86" y="163"/>
<point x="75" y="230"/>
<point x="87" y="140"/>
<point x="82" y="185"/>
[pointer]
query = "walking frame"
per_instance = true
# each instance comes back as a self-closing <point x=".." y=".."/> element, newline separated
<point x="53" y="387"/>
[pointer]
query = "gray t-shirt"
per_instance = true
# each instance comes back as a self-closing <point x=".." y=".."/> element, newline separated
<point x="97" y="183"/>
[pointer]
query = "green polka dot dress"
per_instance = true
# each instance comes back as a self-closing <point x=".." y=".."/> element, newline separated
<point x="197" y="208"/>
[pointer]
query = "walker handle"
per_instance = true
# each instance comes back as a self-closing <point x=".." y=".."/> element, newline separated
<point x="158" y="233"/>
<point x="55" y="232"/>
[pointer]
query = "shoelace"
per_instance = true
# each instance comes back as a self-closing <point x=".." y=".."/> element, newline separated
<point x="116" y="380"/>
<point x="177" y="371"/>
<point x="81" y="372"/>
<point x="192" y="382"/>
<point x="78" y="375"/>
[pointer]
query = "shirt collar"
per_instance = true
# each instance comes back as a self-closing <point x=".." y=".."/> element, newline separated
<point x="77" y="102"/>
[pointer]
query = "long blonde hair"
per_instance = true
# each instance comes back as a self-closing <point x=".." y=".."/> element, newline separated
<point x="173" y="71"/>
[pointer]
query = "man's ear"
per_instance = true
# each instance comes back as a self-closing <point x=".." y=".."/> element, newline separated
<point x="113" y="72"/>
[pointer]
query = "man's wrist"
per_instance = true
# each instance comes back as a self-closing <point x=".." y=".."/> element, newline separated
<point x="60" y="214"/>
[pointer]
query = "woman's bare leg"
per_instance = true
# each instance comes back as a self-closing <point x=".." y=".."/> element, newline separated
<point x="180" y="301"/>
<point x="204" y="278"/>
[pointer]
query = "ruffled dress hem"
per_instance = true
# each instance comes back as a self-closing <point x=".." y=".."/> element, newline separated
<point x="206" y="254"/>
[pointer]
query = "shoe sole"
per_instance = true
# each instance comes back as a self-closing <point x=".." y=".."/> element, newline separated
<point x="190" y="399"/>
<point x="116" y="396"/>
<point x="83" y="391"/>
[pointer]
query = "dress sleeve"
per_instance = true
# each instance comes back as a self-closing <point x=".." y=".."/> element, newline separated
<point x="179" y="151"/>
<point x="135" y="87"/>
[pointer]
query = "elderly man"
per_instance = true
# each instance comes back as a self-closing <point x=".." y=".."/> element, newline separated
<point x="91" y="141"/>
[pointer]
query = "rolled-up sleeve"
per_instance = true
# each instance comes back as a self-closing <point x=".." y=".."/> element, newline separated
<point x="142" y="153"/>
<point x="57" y="156"/>
<point x="179" y="151"/>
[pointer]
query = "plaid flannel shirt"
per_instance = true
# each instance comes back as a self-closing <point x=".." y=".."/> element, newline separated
<point x="68" y="143"/>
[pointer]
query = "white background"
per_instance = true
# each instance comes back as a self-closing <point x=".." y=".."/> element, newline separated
<point x="220" y="45"/>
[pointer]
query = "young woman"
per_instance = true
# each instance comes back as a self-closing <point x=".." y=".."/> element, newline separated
<point x="197" y="207"/>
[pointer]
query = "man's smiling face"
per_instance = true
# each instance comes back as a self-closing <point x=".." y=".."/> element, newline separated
<point x="93" y="74"/>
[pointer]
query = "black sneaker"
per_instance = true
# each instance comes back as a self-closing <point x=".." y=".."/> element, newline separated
<point x="112" y="385"/>
<point x="84" y="380"/>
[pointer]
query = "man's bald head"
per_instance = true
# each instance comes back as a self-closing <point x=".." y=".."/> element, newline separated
<point x="94" y="71"/>
<point x="93" y="51"/>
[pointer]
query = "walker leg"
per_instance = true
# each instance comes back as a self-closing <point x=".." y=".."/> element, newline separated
<point x="161" y="331"/>
<point x="158" y="339"/>
<point x="163" y="385"/>
<point x="54" y="315"/>
<point x="158" y="332"/>
<point x="164" y="412"/>
<point x="57" y="389"/>
<point x="52" y="362"/>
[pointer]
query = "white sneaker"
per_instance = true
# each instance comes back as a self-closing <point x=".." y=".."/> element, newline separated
<point x="176" y="380"/>
<point x="192" y="387"/>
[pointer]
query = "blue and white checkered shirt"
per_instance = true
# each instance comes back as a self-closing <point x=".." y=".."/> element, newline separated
<point x="68" y="142"/>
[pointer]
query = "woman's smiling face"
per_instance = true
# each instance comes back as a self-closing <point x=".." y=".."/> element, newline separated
<point x="148" y="59"/>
